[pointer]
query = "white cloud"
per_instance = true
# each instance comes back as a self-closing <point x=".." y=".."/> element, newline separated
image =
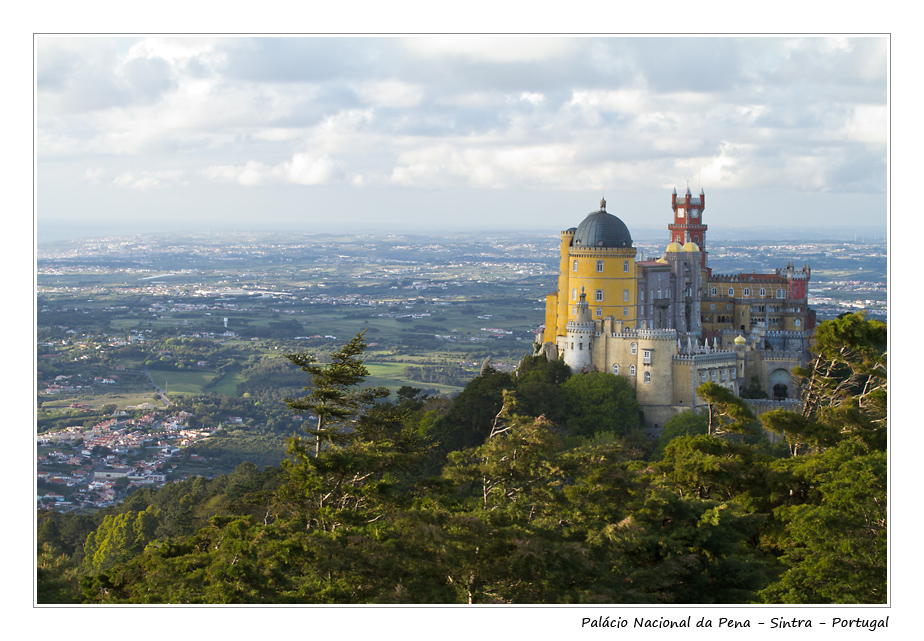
<point x="305" y="169"/>
<point x="868" y="124"/>
<point x="150" y="179"/>
<point x="94" y="175"/>
<point x="302" y="169"/>
<point x="491" y="49"/>
<point x="390" y="93"/>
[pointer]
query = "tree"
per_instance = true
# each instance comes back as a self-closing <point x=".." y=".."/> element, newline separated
<point x="846" y="384"/>
<point x="469" y="420"/>
<point x="333" y="392"/>
<point x="119" y="538"/>
<point x="844" y="388"/>
<point x="727" y="412"/>
<point x="835" y="546"/>
<point x="682" y="424"/>
<point x="600" y="402"/>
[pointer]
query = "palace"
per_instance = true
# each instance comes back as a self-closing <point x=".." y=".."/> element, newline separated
<point x="669" y="325"/>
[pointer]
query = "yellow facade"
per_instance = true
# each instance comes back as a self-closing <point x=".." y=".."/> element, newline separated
<point x="607" y="277"/>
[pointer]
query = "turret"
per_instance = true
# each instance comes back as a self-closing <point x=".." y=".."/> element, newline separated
<point x="579" y="338"/>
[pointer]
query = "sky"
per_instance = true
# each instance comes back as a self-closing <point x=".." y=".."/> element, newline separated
<point x="428" y="134"/>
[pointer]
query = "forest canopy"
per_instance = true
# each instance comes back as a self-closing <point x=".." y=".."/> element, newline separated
<point x="538" y="486"/>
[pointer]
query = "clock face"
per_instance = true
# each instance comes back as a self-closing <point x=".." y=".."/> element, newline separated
<point x="680" y="212"/>
<point x="694" y="213"/>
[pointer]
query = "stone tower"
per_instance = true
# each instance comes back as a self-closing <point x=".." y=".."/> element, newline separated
<point x="688" y="223"/>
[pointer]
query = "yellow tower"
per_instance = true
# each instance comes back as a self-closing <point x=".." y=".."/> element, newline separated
<point x="598" y="257"/>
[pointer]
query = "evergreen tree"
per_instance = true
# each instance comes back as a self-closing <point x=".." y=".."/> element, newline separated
<point x="334" y="395"/>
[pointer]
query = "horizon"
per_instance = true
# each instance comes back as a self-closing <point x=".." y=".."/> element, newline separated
<point x="47" y="232"/>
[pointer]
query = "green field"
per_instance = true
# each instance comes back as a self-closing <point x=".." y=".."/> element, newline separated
<point x="182" y="382"/>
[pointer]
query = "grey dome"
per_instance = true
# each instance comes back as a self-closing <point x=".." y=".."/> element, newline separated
<point x="602" y="229"/>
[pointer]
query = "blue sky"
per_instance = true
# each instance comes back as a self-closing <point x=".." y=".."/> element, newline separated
<point x="445" y="133"/>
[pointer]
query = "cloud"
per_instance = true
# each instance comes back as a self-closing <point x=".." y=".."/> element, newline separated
<point x="94" y="175"/>
<point x="490" y="49"/>
<point x="150" y="179"/>
<point x="302" y="169"/>
<point x="484" y="113"/>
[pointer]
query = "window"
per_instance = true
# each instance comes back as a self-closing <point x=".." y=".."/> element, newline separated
<point x="625" y="311"/>
<point x="599" y="265"/>
<point x="712" y="375"/>
<point x="702" y="377"/>
<point x="641" y="295"/>
<point x="780" y="293"/>
<point x="731" y="291"/>
<point x="574" y="266"/>
<point x="763" y="292"/>
<point x="616" y="368"/>
<point x="581" y="348"/>
<point x="646" y="357"/>
<point x="599" y="312"/>
<point x="711" y="305"/>
<point x="631" y="370"/>
<point x="625" y="295"/>
<point x="798" y="322"/>
<point x="634" y="348"/>
<point x="574" y="294"/>
<point x="724" y="374"/>
<point x="625" y="266"/>
<point x="747" y="291"/>
<point x="647" y="377"/>
<point x="599" y="296"/>
<point x="715" y="291"/>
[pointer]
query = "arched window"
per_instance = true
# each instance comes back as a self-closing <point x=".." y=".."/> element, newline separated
<point x="731" y="291"/>
<point x="625" y="266"/>
<point x="747" y="291"/>
<point x="634" y="348"/>
<point x="763" y="292"/>
<point x="616" y="368"/>
<point x="631" y="370"/>
<point x="647" y="377"/>
<point x="574" y="266"/>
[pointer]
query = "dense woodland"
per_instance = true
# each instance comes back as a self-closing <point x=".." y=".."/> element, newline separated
<point x="539" y="486"/>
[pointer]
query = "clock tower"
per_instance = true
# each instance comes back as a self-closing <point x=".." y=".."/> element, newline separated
<point x="688" y="226"/>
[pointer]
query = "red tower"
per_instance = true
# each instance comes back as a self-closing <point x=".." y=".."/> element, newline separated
<point x="688" y="223"/>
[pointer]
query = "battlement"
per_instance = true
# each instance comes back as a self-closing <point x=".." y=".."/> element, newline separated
<point x="720" y="356"/>
<point x="649" y="334"/>
<point x="788" y="355"/>
<point x="748" y="278"/>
